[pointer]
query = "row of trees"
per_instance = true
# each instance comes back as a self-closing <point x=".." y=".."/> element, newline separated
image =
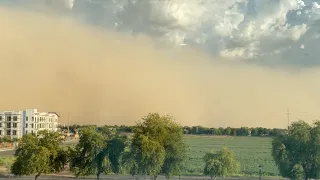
<point x="156" y="147"/>
<point x="199" y="130"/>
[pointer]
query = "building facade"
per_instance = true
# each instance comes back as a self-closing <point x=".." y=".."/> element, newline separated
<point x="15" y="124"/>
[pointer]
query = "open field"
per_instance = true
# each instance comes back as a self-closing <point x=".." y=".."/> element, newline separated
<point x="250" y="151"/>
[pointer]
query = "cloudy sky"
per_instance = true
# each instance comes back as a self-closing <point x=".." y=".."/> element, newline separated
<point x="266" y="32"/>
<point x="254" y="59"/>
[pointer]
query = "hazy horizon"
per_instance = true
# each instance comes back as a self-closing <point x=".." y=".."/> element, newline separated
<point x="99" y="76"/>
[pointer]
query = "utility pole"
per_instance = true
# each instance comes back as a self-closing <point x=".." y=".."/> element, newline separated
<point x="68" y="121"/>
<point x="288" y="117"/>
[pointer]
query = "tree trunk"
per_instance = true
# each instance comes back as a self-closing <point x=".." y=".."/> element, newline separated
<point x="98" y="175"/>
<point x="36" y="177"/>
<point x="155" y="177"/>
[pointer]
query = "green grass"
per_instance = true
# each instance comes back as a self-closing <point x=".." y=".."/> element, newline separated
<point x="249" y="151"/>
<point x="6" y="161"/>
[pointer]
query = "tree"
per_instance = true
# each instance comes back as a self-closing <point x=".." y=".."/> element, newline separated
<point x="221" y="163"/>
<point x="98" y="151"/>
<point x="88" y="157"/>
<point x="157" y="139"/>
<point x="115" y="149"/>
<point x="297" y="152"/>
<point x="38" y="155"/>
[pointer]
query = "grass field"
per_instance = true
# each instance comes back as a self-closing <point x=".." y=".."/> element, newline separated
<point x="249" y="151"/>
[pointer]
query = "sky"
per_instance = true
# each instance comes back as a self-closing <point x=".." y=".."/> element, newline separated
<point x="207" y="62"/>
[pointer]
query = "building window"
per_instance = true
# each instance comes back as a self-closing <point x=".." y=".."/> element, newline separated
<point x="14" y="125"/>
<point x="32" y="118"/>
<point x="26" y="132"/>
<point x="15" y="118"/>
<point x="26" y="125"/>
<point x="8" y="125"/>
<point x="0" y="132"/>
<point x="27" y="118"/>
<point x="8" y="118"/>
<point x="31" y="125"/>
<point x="0" y="124"/>
<point x="8" y="132"/>
<point x="14" y="132"/>
<point x="0" y="118"/>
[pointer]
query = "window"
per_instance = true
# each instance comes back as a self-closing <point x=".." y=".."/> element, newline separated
<point x="27" y="118"/>
<point x="0" y="118"/>
<point x="14" y="132"/>
<point x="32" y="118"/>
<point x="0" y="124"/>
<point x="15" y="118"/>
<point x="8" y="132"/>
<point x="8" y="118"/>
<point x="0" y="132"/>
<point x="14" y="125"/>
<point x="26" y="132"/>
<point x="31" y="125"/>
<point x="26" y="125"/>
<point x="8" y="125"/>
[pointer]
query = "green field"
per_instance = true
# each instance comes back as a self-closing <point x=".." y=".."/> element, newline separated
<point x="250" y="152"/>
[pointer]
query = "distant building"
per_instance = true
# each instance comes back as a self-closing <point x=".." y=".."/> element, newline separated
<point x="15" y="124"/>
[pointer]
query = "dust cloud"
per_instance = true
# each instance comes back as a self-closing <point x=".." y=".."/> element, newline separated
<point x="103" y="77"/>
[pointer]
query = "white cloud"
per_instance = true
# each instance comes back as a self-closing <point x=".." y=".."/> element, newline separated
<point x="246" y="29"/>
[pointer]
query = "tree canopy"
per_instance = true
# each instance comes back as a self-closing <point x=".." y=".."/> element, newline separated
<point x="297" y="152"/>
<point x="97" y="152"/>
<point x="38" y="155"/>
<point x="157" y="147"/>
<point x="220" y="164"/>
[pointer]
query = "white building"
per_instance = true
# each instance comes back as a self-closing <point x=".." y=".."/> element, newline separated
<point x="18" y="123"/>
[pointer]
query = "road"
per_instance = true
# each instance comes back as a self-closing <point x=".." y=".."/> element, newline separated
<point x="7" y="152"/>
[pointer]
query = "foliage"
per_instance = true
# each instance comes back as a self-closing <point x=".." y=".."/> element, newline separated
<point x="221" y="163"/>
<point x="297" y="172"/>
<point x="6" y="161"/>
<point x="98" y="151"/>
<point x="157" y="147"/>
<point x="250" y="152"/>
<point x="298" y="151"/>
<point x="38" y="155"/>
<point x="88" y="156"/>
<point x="199" y="130"/>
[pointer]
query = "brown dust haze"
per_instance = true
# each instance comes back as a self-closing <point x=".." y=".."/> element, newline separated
<point x="104" y="77"/>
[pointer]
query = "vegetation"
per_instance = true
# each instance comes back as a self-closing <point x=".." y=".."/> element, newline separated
<point x="220" y="164"/>
<point x="250" y="152"/>
<point x="38" y="155"/>
<point x="97" y="152"/>
<point x="199" y="130"/>
<point x="297" y="152"/>
<point x="157" y="147"/>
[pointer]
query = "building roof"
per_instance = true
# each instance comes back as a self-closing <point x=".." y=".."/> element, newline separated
<point x="54" y="113"/>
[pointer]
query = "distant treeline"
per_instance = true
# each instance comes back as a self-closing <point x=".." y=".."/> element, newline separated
<point x="198" y="130"/>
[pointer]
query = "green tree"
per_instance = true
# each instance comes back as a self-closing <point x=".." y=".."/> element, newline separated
<point x="299" y="148"/>
<point x="98" y="151"/>
<point x="220" y="164"/>
<point x="115" y="149"/>
<point x="88" y="157"/>
<point x="167" y="152"/>
<point x="38" y="155"/>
